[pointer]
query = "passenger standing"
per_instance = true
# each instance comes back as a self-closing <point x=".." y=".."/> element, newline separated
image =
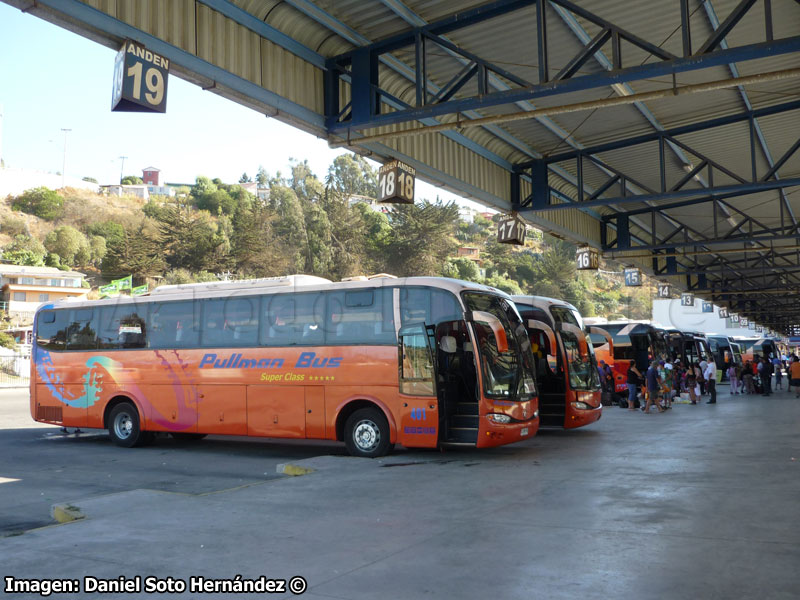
<point x="766" y="376"/>
<point x="777" y="364"/>
<point x="747" y="379"/>
<point x="734" y="378"/>
<point x="691" y="383"/>
<point x="634" y="381"/>
<point x="653" y="384"/>
<point x="703" y="365"/>
<point x="710" y="375"/>
<point x="794" y="373"/>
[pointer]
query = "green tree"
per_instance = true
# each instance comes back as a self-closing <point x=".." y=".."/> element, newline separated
<point x="350" y="175"/>
<point x="245" y="178"/>
<point x="112" y="231"/>
<point x="42" y="202"/>
<point x="25" y="250"/>
<point x="262" y="179"/>
<point x="97" y="248"/>
<point x="422" y="238"/>
<point x="138" y="252"/>
<point x="89" y="179"/>
<point x="290" y="226"/>
<point x="255" y="249"/>
<point x="189" y="238"/>
<point x="464" y="269"/>
<point x="70" y="245"/>
<point x="132" y="180"/>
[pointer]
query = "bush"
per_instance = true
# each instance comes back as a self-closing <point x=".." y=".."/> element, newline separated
<point x="25" y="250"/>
<point x="7" y="341"/>
<point x="42" y="202"/>
<point x="14" y="226"/>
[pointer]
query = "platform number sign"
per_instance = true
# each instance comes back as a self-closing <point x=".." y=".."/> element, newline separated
<point x="751" y="325"/>
<point x="708" y="307"/>
<point x="687" y="299"/>
<point x="587" y="259"/>
<point x="511" y="230"/>
<point x="664" y="290"/>
<point x="734" y="318"/>
<point x="396" y="183"/>
<point x="633" y="277"/>
<point x="759" y="328"/>
<point x="140" y="80"/>
<point x="723" y="312"/>
<point x="744" y="321"/>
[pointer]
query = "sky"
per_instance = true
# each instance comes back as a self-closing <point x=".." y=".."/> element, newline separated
<point x="52" y="79"/>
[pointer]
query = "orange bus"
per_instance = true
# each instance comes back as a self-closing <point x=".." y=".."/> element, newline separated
<point x="418" y="361"/>
<point x="632" y="340"/>
<point x="567" y="377"/>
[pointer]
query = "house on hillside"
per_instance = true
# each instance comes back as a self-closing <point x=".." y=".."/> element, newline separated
<point x="24" y="289"/>
<point x="152" y="179"/>
<point x="138" y="190"/>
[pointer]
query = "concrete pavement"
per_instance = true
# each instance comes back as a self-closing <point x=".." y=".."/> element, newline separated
<point x="696" y="502"/>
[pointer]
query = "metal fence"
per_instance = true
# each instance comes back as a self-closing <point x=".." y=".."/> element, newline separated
<point x="15" y="369"/>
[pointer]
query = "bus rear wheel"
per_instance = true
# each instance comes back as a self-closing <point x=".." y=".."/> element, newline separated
<point x="366" y="433"/>
<point x="124" y="427"/>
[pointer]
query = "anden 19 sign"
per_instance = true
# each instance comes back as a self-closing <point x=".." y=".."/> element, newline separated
<point x="140" y="80"/>
<point x="396" y="183"/>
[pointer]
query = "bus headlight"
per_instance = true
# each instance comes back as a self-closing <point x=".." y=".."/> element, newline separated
<point x="580" y="405"/>
<point x="499" y="418"/>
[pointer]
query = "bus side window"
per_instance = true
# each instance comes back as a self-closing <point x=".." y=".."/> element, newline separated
<point x="51" y="329"/>
<point x="121" y="327"/>
<point x="173" y="325"/>
<point x="231" y="322"/>
<point x="360" y="317"/>
<point x="293" y="319"/>
<point x="82" y="330"/>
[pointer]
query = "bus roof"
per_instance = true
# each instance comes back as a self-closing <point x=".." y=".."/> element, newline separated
<point x="542" y="301"/>
<point x="260" y="287"/>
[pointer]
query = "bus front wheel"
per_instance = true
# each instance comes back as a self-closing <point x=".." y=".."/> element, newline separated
<point x="366" y="433"/>
<point x="124" y="427"/>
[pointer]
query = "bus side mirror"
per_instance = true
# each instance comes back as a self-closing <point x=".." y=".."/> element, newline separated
<point x="479" y="316"/>
<point x="600" y="331"/>
<point x="583" y="346"/>
<point x="547" y="330"/>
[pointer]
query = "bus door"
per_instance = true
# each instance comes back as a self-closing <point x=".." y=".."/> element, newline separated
<point x="550" y="379"/>
<point x="418" y="415"/>
<point x="457" y="381"/>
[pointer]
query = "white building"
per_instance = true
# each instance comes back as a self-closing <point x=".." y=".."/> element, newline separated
<point x="24" y="289"/>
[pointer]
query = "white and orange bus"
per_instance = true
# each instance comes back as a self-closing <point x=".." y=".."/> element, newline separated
<point x="567" y="377"/>
<point x="419" y="361"/>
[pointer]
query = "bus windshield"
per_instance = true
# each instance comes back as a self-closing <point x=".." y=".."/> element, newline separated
<point x="583" y="373"/>
<point x="508" y="375"/>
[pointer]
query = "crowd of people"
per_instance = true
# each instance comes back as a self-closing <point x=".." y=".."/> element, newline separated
<point x="665" y="380"/>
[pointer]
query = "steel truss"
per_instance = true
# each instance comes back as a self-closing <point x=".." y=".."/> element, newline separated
<point x="538" y="169"/>
<point x="360" y="67"/>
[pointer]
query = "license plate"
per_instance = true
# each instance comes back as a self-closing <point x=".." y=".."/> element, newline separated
<point x="523" y="431"/>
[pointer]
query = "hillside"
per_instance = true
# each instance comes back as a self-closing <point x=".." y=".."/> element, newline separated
<point x="306" y="226"/>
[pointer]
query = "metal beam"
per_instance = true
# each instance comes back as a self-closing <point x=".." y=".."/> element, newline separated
<point x="678" y="131"/>
<point x="574" y="84"/>
<point x="737" y="190"/>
